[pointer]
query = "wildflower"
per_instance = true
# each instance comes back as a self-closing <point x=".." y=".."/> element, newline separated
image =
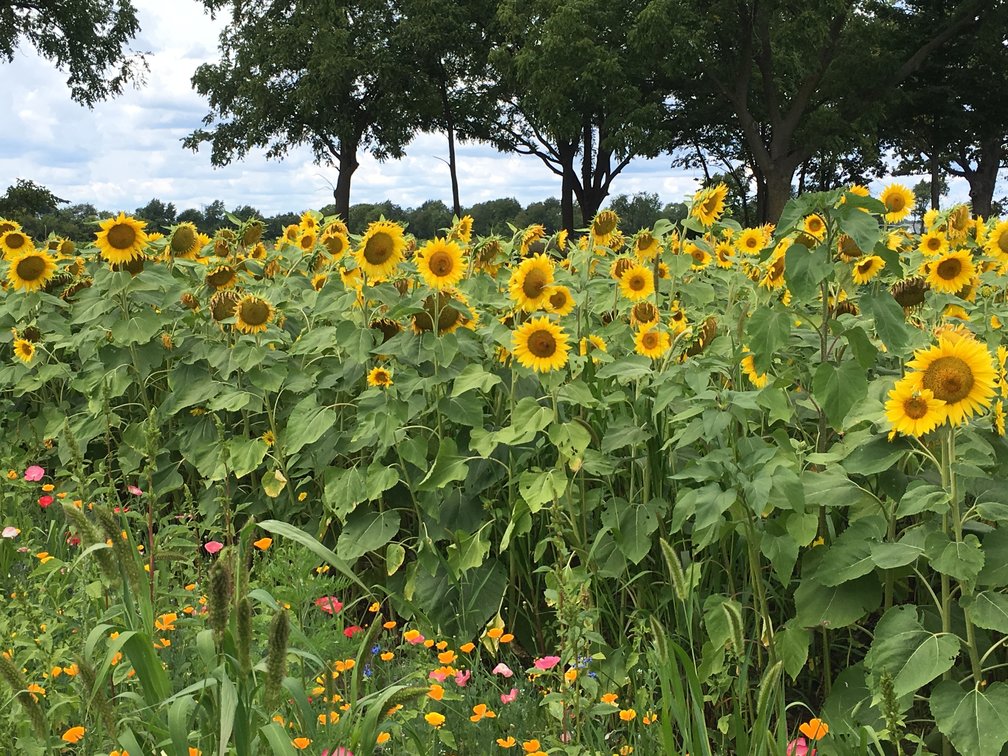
<point x="166" y="622"/>
<point x="627" y="715"/>
<point x="390" y="625"/>
<point x="74" y="734"/>
<point x="34" y="473"/>
<point x="467" y="648"/>
<point x="570" y="676"/>
<point x="135" y="490"/>
<point x="510" y="696"/>
<point x="814" y="729"/>
<point x="436" y="692"/>
<point x="446" y="657"/>
<point x="45" y="501"/>
<point x="374" y="607"/>
<point x="301" y="743"/>
<point x="43" y="556"/>
<point x="546" y="663"/>
<point x="387" y="656"/>
<point x="329" y="604"/>
<point x="480" y="711"/>
<point x="503" y="670"/>
<point x="495" y="632"/>
<point x="531" y="746"/>
<point x="263" y="543"/>
<point x="462" y="677"/>
<point x="799" y="747"/>
<point x="212" y="547"/>
<point x="438" y="674"/>
<point x="383" y="738"/>
<point x="36" y="690"/>
<point x="609" y="698"/>
<point x="351" y="631"/>
<point x="434" y="719"/>
<point x="413" y="637"/>
<point x="649" y="718"/>
<point x="10" y="532"/>
<point x="508" y="742"/>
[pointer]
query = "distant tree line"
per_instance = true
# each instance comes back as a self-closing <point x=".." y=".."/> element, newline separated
<point x="41" y="213"/>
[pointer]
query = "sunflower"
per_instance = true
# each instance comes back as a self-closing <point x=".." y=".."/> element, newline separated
<point x="997" y="241"/>
<point x="954" y="311"/>
<point x="620" y="266"/>
<point x="541" y="345"/>
<point x="387" y="327"/>
<point x="14" y="241"/>
<point x="335" y="241"/>
<point x="306" y="240"/>
<point x="560" y="241"/>
<point x="121" y="239"/>
<point x="24" y="350"/>
<point x="440" y="307"/>
<point x="252" y="314"/>
<point x="318" y="281"/>
<point x="381" y="249"/>
<point x="933" y="243"/>
<point x="644" y="314"/>
<point x="223" y="305"/>
<point x="309" y="221"/>
<point x="351" y="278"/>
<point x="951" y="272"/>
<point x="31" y="270"/>
<point x="252" y="231"/>
<point x="913" y="411"/>
<point x="959" y="222"/>
<point x="184" y="241"/>
<point x="750" y="241"/>
<point x="462" y="229"/>
<point x="748" y="364"/>
<point x="867" y="268"/>
<point x="646" y="246"/>
<point x="380" y="377"/>
<point x="652" y="342"/>
<point x="6" y="224"/>
<point x="998" y="418"/>
<point x="440" y="263"/>
<point x="530" y="283"/>
<point x="898" y="201"/>
<point x="222" y="277"/>
<point x="959" y="371"/>
<point x="724" y="254"/>
<point x="532" y="240"/>
<point x="560" y="300"/>
<point x="591" y="344"/>
<point x="289" y="235"/>
<point x="909" y="292"/>
<point x="701" y="257"/>
<point x="678" y="321"/>
<point x="709" y="204"/>
<point x="814" y="226"/>
<point x="258" y="252"/>
<point x="603" y="227"/>
<point x="637" y="283"/>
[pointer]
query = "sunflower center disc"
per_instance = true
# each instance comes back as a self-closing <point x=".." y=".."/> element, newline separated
<point x="895" y="204"/>
<point x="121" y="236"/>
<point x="949" y="378"/>
<point x="644" y="312"/>
<point x="650" y="340"/>
<point x="31" y="268"/>
<point x="604" y="225"/>
<point x="183" y="239"/>
<point x="254" y="313"/>
<point x="1003" y="242"/>
<point x="379" y="248"/>
<point x="710" y="204"/>
<point x="636" y="283"/>
<point x="534" y="284"/>
<point x="948" y="269"/>
<point x="865" y="267"/>
<point x="220" y="278"/>
<point x="558" y="300"/>
<point x="915" y="407"/>
<point x="16" y="240"/>
<point x="440" y="264"/>
<point x="542" y="344"/>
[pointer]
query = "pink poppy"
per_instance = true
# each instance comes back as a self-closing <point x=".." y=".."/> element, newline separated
<point x="134" y="490"/>
<point x="503" y="669"/>
<point x="439" y="675"/>
<point x="507" y="698"/>
<point x="414" y="640"/>
<point x="799" y="747"/>
<point x="351" y="631"/>
<point x="338" y="751"/>
<point x="34" y="473"/>
<point x="212" y="547"/>
<point x="10" y="532"/>
<point x="547" y="662"/>
<point x="462" y="677"/>
<point x="45" y="501"/>
<point x="329" y="604"/>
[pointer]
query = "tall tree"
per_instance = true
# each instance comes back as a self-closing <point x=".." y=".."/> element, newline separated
<point x="88" y="39"/>
<point x="333" y="76"/>
<point x="577" y="93"/>
<point x="793" y="78"/>
<point x="28" y="203"/>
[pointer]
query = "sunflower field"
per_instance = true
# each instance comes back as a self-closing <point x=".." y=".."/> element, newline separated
<point x="695" y="488"/>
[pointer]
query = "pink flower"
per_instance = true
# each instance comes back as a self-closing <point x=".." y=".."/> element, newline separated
<point x="338" y="751"/>
<point x="503" y="669"/>
<point x="212" y="547"/>
<point x="799" y="747"/>
<point x="438" y="675"/>
<point x="45" y="501"/>
<point x="73" y="539"/>
<point x="507" y="698"/>
<point x="413" y="640"/>
<point x="10" y="532"/>
<point x="462" y="677"/>
<point x="351" y="631"/>
<point x="547" y="662"/>
<point x="34" y="473"/>
<point x="329" y="604"/>
<point x="134" y="490"/>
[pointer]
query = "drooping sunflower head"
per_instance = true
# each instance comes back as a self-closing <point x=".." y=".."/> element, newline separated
<point x="121" y="239"/>
<point x="867" y="268"/>
<point x="603" y="227"/>
<point x="15" y="241"/>
<point x="643" y="313"/>
<point x="590" y="345"/>
<point x="959" y="371"/>
<point x="381" y="249"/>
<point x="959" y="222"/>
<point x="530" y="282"/>
<point x="189" y="301"/>
<point x="380" y="377"/>
<point x="708" y="331"/>
<point x="652" y="342"/>
<point x="637" y="283"/>
<point x="134" y="267"/>
<point x="252" y="314"/>
<point x="561" y="301"/>
<point x="910" y="292"/>
<point x="24" y="350"/>
<point x="223" y="304"/>
<point x="222" y="277"/>
<point x="898" y="201"/>
<point x="748" y="365"/>
<point x="252" y="231"/>
<point x="541" y="345"/>
<point x="444" y="308"/>
<point x="709" y="204"/>
<point x="440" y="263"/>
<point x="847" y="249"/>
<point x="951" y="272"/>
<point x="387" y="327"/>
<point x="533" y="240"/>
<point x="30" y="270"/>
<point x="913" y="411"/>
<point x="646" y="245"/>
<point x="184" y="241"/>
<point x="290" y="235"/>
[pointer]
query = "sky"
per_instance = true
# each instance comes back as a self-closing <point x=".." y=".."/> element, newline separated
<point x="128" y="150"/>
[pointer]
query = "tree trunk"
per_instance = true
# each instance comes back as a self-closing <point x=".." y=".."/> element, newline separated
<point x="778" y="192"/>
<point x="567" y="198"/>
<point x="347" y="165"/>
<point x="983" y="180"/>
<point x="450" y="129"/>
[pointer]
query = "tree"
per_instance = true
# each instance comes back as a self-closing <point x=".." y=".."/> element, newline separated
<point x="158" y="215"/>
<point x="545" y="213"/>
<point x="86" y="38"/>
<point x="426" y="221"/>
<point x="335" y="77"/>
<point x="492" y="216"/>
<point x="794" y="78"/>
<point x="577" y="93"/>
<point x="637" y="212"/>
<point x="27" y="202"/>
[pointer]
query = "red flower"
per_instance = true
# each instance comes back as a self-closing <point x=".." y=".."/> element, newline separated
<point x="45" y="501"/>
<point x="73" y="539"/>
<point x="329" y="604"/>
<point x="351" y="631"/>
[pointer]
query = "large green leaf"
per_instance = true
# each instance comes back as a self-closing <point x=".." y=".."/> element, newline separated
<point x="988" y="609"/>
<point x="768" y="330"/>
<point x="819" y="605"/>
<point x="447" y="467"/>
<point x="962" y="560"/>
<point x="838" y="388"/>
<point x="366" y="531"/>
<point x="805" y="268"/>
<point x="975" y="721"/>
<point x="541" y="487"/>
<point x="909" y="653"/>
<point x="474" y="376"/>
<point x="306" y="424"/>
<point x="890" y="323"/>
<point x="860" y="226"/>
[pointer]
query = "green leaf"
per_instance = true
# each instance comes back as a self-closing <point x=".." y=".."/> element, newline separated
<point x="962" y="560"/>
<point x="988" y="610"/>
<point x="474" y="376"/>
<point x="860" y="226"/>
<point x="366" y="531"/>
<point x="279" y="740"/>
<point x="539" y="488"/>
<point x="245" y="455"/>
<point x="890" y="323"/>
<point x="395" y="555"/>
<point x="995" y="570"/>
<point x="447" y="467"/>
<point x="768" y="330"/>
<point x="838" y="389"/>
<point x="792" y="643"/>
<point x="273" y="483"/>
<point x="468" y="553"/>
<point x="888" y="556"/>
<point x="909" y="653"/>
<point x="975" y="721"/>
<point x="818" y="605"/>
<point x="295" y="534"/>
<point x="636" y="525"/>
<point x="805" y="268"/>
<point x="922" y="497"/>
<point x="306" y="424"/>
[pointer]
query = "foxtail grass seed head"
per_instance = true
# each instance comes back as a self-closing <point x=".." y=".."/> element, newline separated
<point x="276" y="654"/>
